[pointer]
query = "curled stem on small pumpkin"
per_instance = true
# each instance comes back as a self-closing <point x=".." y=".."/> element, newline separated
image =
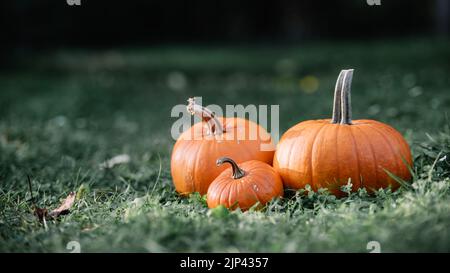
<point x="237" y="172"/>
<point x="214" y="125"/>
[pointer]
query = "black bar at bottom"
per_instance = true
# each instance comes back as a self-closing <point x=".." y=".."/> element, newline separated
<point x="220" y="262"/>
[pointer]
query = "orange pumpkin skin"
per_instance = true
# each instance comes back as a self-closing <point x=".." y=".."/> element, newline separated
<point x="260" y="183"/>
<point x="195" y="152"/>
<point x="327" y="153"/>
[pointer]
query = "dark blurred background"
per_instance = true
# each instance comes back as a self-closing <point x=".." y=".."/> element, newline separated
<point x="31" y="24"/>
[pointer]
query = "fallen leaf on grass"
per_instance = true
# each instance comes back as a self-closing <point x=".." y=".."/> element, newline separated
<point x="65" y="206"/>
<point x="118" y="159"/>
<point x="63" y="209"/>
<point x="42" y="213"/>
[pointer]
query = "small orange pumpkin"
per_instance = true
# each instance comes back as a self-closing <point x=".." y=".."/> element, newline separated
<point x="196" y="150"/>
<point x="326" y="153"/>
<point x="254" y="181"/>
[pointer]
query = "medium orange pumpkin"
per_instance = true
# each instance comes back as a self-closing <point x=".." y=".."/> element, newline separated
<point x="196" y="150"/>
<point x="245" y="185"/>
<point x="326" y="153"/>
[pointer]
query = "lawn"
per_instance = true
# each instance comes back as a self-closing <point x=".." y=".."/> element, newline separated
<point x="63" y="113"/>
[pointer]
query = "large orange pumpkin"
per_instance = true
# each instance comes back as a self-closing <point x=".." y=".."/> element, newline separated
<point x="327" y="153"/>
<point x="244" y="186"/>
<point x="196" y="150"/>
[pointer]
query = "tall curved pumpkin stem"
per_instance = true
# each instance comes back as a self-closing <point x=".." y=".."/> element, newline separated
<point x="214" y="125"/>
<point x="337" y="99"/>
<point x="237" y="172"/>
<point x="346" y="108"/>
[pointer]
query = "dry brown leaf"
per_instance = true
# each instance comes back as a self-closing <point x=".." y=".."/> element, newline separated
<point x="42" y="213"/>
<point x="65" y="206"/>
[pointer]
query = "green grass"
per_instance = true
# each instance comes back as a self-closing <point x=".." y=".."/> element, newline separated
<point x="63" y="113"/>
